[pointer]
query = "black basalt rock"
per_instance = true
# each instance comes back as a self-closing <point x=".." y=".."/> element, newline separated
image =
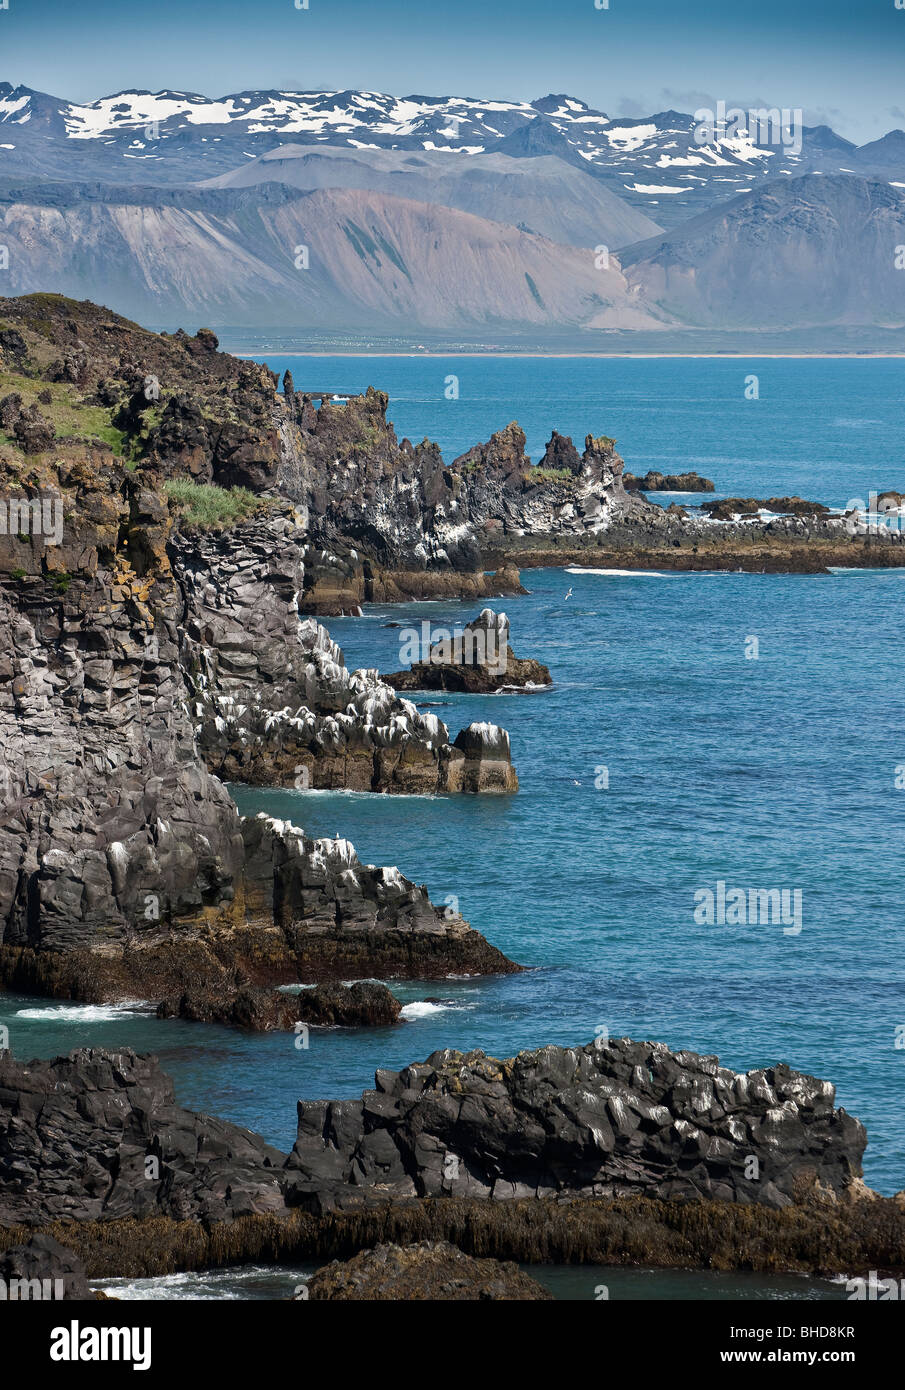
<point x="97" y="1136"/>
<point x="620" y="1119"/>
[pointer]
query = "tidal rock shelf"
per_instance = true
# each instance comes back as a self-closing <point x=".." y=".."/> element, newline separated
<point x="616" y="1154"/>
<point x="681" y="541"/>
<point x="365" y="1004"/>
<point x="428" y="1271"/>
<point x="300" y="910"/>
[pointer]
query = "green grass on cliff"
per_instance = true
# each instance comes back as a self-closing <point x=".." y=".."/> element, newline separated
<point x="211" y="507"/>
<point x="551" y="475"/>
<point x="70" y="417"/>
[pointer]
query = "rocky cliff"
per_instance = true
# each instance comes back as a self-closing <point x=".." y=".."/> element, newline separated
<point x="151" y="637"/>
<point x="272" y="699"/>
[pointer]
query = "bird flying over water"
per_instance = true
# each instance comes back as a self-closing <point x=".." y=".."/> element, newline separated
<point x="569" y="594"/>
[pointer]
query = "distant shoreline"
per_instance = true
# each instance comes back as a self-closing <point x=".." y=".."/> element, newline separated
<point x="726" y="356"/>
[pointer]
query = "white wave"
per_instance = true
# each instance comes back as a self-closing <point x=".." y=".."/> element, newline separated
<point x="888" y="572"/>
<point x="203" y="1285"/>
<point x="328" y="791"/>
<point x="421" y="1008"/>
<point x="529" y="688"/>
<point x="87" y="1013"/>
<point x="619" y="574"/>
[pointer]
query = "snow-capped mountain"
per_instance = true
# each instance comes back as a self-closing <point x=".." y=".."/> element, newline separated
<point x="445" y="215"/>
<point x="658" y="163"/>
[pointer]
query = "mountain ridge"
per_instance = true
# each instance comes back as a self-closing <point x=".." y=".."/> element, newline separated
<point x="655" y="162"/>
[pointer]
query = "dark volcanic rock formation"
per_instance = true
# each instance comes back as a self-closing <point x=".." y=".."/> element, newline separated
<point x="98" y="1135"/>
<point x="478" y="661"/>
<point x="599" y="1121"/>
<point x="729" y="507"/>
<point x="244" y="1006"/>
<point x="431" y="1270"/>
<point x="133" y="644"/>
<point x="567" y="495"/>
<point x="366" y="1004"/>
<point x="667" y="482"/>
<point x="397" y="523"/>
<point x="335" y="917"/>
<point x="586" y="1154"/>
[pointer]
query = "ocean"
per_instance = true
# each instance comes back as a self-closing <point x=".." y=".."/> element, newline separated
<point x="665" y="759"/>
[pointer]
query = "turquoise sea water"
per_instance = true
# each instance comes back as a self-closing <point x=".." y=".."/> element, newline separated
<point x="778" y="772"/>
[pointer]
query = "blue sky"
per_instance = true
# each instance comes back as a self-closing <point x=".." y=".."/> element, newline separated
<point x="842" y="61"/>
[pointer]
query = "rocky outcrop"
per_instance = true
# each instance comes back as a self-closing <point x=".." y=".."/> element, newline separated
<point x="728" y="508"/>
<point x="98" y="1135"/>
<point x="366" y="1004"/>
<point x="124" y="866"/>
<point x="328" y="916"/>
<point x="399" y="524"/>
<point x="431" y="1270"/>
<point x="487" y="759"/>
<point x="567" y="495"/>
<point x="243" y="1006"/>
<point x="667" y="482"/>
<point x="134" y="643"/>
<point x="609" y="1121"/>
<point x="478" y="661"/>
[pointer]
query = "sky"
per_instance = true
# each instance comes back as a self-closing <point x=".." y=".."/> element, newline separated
<point x="841" y="61"/>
